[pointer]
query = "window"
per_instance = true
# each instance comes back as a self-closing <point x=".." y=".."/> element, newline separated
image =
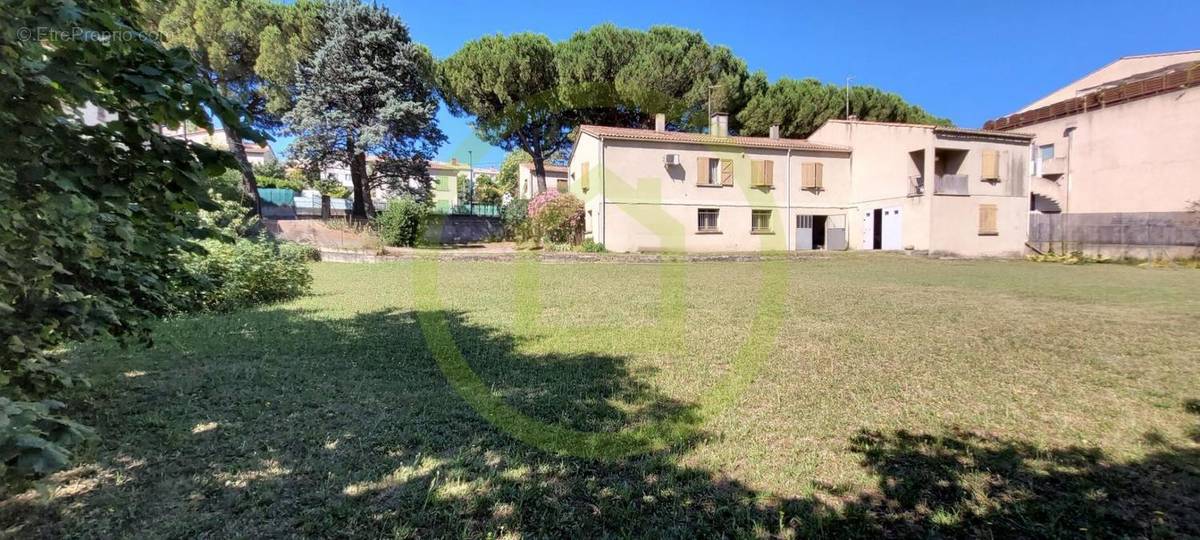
<point x="714" y="172"/>
<point x="991" y="166"/>
<point x="1046" y="152"/>
<point x="562" y="185"/>
<point x="812" y="176"/>
<point x="706" y="220"/>
<point x="443" y="183"/>
<point x="762" y="173"/>
<point x="760" y="221"/>
<point x="987" y="220"/>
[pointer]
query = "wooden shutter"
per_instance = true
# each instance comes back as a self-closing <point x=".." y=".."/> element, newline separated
<point x="756" y="173"/>
<point x="987" y="220"/>
<point x="726" y="172"/>
<point x="768" y="173"/>
<point x="702" y="170"/>
<point x="811" y="175"/>
<point x="584" y="182"/>
<point x="991" y="165"/>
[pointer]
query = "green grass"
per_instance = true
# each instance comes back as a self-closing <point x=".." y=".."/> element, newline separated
<point x="860" y="395"/>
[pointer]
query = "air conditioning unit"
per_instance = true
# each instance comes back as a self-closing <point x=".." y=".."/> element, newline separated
<point x="671" y="159"/>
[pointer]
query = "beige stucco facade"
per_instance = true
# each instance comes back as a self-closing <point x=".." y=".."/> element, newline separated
<point x="901" y="167"/>
<point x="527" y="187"/>
<point x="646" y="192"/>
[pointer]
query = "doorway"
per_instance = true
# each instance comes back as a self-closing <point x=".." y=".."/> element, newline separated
<point x="818" y="232"/>
<point x="882" y="228"/>
<point x="877" y="229"/>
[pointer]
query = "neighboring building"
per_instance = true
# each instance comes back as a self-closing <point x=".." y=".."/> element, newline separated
<point x="855" y="185"/>
<point x="1119" y="151"/>
<point x="256" y="154"/>
<point x="448" y="192"/>
<point x="527" y="187"/>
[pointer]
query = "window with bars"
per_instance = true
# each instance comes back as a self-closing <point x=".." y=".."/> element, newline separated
<point x="760" y="221"/>
<point x="706" y="220"/>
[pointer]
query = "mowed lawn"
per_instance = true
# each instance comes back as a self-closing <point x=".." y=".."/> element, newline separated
<point x="884" y="395"/>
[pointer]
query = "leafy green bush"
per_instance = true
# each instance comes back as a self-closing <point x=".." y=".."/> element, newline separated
<point x="299" y="253"/>
<point x="93" y="218"/>
<point x="556" y="217"/>
<point x="592" y="246"/>
<point x="402" y="223"/>
<point x="240" y="274"/>
<point x="272" y="169"/>
<point x="279" y="183"/>
<point x="515" y="219"/>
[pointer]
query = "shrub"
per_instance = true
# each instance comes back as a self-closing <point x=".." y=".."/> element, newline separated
<point x="402" y="223"/>
<point x="94" y="216"/>
<point x="556" y="217"/>
<point x="299" y="253"/>
<point x="592" y="246"/>
<point x="239" y="274"/>
<point x="515" y="219"/>
<point x="279" y="183"/>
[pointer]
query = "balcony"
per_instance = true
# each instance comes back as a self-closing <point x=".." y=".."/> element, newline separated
<point x="950" y="184"/>
<point x="916" y="186"/>
<point x="1053" y="167"/>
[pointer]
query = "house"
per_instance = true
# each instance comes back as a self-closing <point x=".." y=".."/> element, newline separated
<point x="1116" y="155"/>
<point x="935" y="188"/>
<point x="448" y="191"/>
<point x="256" y="154"/>
<point x="852" y="185"/>
<point x="556" y="178"/>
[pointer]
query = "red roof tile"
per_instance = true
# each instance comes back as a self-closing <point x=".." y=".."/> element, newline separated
<point x="633" y="134"/>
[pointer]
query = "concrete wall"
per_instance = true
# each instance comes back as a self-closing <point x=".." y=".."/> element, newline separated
<point x="1137" y="156"/>
<point x="442" y="229"/>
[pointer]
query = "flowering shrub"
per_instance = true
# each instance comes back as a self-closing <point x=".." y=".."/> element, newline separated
<point x="556" y="217"/>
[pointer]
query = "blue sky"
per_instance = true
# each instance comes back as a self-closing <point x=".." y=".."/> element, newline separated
<point x="966" y="60"/>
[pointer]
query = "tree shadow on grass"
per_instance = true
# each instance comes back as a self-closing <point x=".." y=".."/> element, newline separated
<point x="281" y="422"/>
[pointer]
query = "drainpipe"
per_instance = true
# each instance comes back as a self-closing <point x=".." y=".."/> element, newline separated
<point x="789" y="221"/>
<point x="603" y="195"/>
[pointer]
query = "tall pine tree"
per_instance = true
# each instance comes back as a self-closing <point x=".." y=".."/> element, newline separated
<point x="366" y="99"/>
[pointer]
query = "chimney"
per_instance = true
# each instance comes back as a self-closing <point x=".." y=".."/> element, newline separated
<point x="660" y="122"/>
<point x="454" y="161"/>
<point x="775" y="131"/>
<point x="718" y="124"/>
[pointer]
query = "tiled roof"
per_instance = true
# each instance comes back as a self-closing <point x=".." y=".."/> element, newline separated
<point x="549" y="168"/>
<point x="633" y="134"/>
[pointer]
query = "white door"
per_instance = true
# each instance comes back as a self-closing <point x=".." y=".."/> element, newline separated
<point x="891" y="228"/>
<point x="804" y="232"/>
<point x="868" y="229"/>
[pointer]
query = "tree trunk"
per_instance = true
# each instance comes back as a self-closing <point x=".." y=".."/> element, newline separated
<point x="358" y="177"/>
<point x="249" y="184"/>
<point x="539" y="171"/>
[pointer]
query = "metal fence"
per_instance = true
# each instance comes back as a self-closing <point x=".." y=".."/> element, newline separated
<point x="1071" y="232"/>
